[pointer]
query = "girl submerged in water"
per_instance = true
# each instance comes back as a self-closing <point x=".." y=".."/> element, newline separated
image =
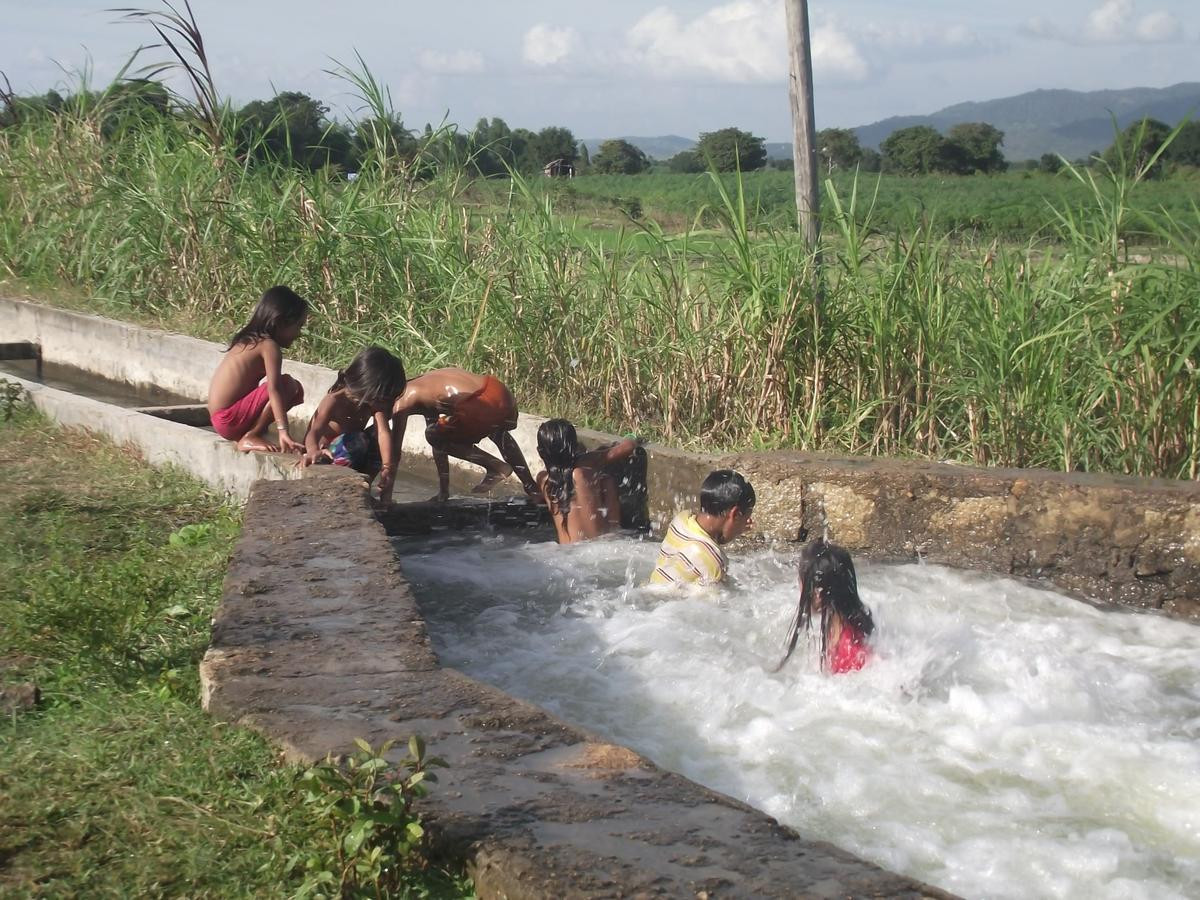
<point x="582" y="496"/>
<point x="829" y="588"/>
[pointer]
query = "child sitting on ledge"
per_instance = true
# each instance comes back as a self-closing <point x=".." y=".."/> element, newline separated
<point x="363" y="394"/>
<point x="829" y="587"/>
<point x="249" y="391"/>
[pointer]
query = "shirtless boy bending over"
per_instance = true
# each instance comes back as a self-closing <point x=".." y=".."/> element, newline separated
<point x="461" y="409"/>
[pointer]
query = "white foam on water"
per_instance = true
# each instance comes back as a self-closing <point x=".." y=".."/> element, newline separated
<point x="1004" y="741"/>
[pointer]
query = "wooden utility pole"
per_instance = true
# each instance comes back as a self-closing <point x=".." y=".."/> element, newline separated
<point x="804" y="138"/>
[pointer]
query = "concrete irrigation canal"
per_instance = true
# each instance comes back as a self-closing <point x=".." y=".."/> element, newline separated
<point x="570" y="712"/>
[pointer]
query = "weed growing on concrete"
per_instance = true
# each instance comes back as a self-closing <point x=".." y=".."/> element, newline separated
<point x="12" y="398"/>
<point x="366" y="803"/>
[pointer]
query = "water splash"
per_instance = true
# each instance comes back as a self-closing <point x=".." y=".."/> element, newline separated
<point x="1005" y="741"/>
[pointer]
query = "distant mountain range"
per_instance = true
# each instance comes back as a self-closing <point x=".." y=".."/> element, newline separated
<point x="1071" y="123"/>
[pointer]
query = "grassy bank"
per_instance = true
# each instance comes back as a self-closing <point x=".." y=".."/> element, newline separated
<point x="119" y="784"/>
<point x="1073" y="354"/>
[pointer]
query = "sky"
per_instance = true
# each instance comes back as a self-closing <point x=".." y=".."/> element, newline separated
<point x="612" y="68"/>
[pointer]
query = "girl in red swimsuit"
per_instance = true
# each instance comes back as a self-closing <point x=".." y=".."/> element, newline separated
<point x="829" y="588"/>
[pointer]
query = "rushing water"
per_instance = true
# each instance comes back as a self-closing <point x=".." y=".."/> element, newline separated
<point x="1005" y="741"/>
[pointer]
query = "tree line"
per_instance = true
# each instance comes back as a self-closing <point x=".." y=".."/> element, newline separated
<point x="296" y="129"/>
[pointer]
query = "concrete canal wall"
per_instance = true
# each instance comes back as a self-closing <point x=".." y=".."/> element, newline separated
<point x="1134" y="541"/>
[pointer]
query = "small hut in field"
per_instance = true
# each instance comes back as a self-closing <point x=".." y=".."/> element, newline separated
<point x="558" y="168"/>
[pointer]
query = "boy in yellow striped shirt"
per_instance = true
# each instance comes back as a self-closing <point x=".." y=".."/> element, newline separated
<point x="691" y="550"/>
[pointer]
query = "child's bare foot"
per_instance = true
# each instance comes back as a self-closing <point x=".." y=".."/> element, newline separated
<point x="492" y="478"/>
<point x="256" y="443"/>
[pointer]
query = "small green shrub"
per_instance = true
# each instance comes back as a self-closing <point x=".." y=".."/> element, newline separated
<point x="12" y="398"/>
<point x="367" y="804"/>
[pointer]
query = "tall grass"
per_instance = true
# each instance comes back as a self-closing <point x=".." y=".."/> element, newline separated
<point x="1070" y="355"/>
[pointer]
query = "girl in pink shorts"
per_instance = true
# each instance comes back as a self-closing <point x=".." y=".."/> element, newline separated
<point x="249" y="390"/>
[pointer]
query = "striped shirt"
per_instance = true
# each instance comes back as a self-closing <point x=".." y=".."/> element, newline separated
<point x="688" y="555"/>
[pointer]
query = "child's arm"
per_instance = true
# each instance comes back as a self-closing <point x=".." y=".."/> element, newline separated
<point x="389" y="454"/>
<point x="273" y="363"/>
<point x="606" y="456"/>
<point x="318" y="427"/>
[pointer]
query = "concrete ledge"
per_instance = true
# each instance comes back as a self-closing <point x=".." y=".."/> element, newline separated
<point x="194" y="414"/>
<point x="182" y="365"/>
<point x="318" y="640"/>
<point x="163" y="442"/>
<point x="1134" y="541"/>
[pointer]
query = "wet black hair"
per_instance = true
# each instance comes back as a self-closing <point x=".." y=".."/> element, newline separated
<point x="558" y="446"/>
<point x="725" y="489"/>
<point x="277" y="307"/>
<point x="827" y="567"/>
<point x="374" y="377"/>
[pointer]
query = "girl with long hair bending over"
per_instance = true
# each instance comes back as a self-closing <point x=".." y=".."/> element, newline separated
<point x="582" y="497"/>
<point x="362" y="394"/>
<point x="829" y="591"/>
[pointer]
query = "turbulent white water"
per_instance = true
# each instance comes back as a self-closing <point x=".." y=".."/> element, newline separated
<point x="1004" y="741"/>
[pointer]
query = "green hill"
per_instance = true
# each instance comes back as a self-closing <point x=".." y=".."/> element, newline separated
<point x="1072" y="123"/>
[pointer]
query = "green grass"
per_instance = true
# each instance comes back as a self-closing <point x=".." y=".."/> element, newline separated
<point x="1078" y="349"/>
<point x="119" y="784"/>
<point x="1017" y="206"/>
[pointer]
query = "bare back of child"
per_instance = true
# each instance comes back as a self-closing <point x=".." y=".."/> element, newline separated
<point x="363" y="394"/>
<point x="581" y="495"/>
<point x="249" y="390"/>
<point x="460" y="409"/>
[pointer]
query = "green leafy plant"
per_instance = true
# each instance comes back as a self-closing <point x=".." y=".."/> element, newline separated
<point x="191" y="535"/>
<point x="366" y="802"/>
<point x="12" y="398"/>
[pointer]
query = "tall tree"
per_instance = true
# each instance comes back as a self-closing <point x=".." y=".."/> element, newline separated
<point x="491" y="147"/>
<point x="974" y="147"/>
<point x="730" y="149"/>
<point x="1136" y="145"/>
<point x="1050" y="163"/>
<point x="916" y="150"/>
<point x="383" y="141"/>
<point x="1185" y="149"/>
<point x="16" y="109"/>
<point x="838" y="148"/>
<point x="686" y="162"/>
<point x="619" y="157"/>
<point x="292" y="127"/>
<point x="554" y="143"/>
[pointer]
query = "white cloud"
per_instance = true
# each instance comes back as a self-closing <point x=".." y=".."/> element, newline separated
<point x="451" y="62"/>
<point x="1159" y="27"/>
<point x="1112" y="22"/>
<point x="740" y="42"/>
<point x="546" y="45"/>
<point x="913" y="36"/>
<point x="836" y="56"/>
